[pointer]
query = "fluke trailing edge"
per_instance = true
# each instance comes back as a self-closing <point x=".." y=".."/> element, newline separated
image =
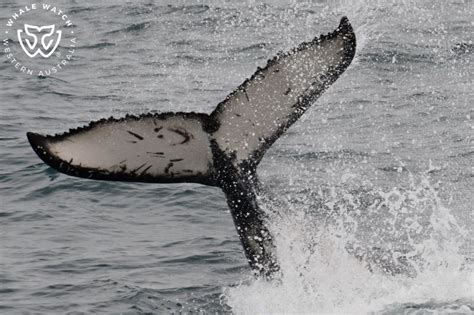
<point x="222" y="149"/>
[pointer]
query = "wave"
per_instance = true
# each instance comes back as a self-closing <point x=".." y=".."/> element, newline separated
<point x="132" y="28"/>
<point x="362" y="250"/>
<point x="96" y="46"/>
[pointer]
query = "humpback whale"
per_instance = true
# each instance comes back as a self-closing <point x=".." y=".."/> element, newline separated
<point x="221" y="149"/>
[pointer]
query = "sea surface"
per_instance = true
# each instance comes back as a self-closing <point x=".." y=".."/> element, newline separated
<point x="370" y="195"/>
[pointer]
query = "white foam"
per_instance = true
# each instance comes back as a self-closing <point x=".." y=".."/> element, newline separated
<point x="319" y="275"/>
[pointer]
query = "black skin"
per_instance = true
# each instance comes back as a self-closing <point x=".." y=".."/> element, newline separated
<point x="249" y="221"/>
<point x="240" y="186"/>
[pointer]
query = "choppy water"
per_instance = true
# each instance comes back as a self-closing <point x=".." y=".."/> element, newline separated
<point x="377" y="176"/>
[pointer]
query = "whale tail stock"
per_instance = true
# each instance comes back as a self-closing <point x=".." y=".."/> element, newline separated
<point x="222" y="149"/>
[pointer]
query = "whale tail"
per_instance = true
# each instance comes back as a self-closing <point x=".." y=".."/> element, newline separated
<point x="222" y="149"/>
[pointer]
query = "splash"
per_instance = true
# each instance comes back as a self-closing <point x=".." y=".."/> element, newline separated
<point x="360" y="250"/>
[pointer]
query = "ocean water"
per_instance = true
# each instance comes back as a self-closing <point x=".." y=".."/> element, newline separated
<point x="370" y="194"/>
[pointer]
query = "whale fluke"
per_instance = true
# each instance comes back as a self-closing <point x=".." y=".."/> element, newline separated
<point x="259" y="111"/>
<point x="160" y="148"/>
<point x="222" y="149"/>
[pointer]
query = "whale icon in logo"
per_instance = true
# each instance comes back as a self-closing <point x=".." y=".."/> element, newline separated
<point x="48" y="42"/>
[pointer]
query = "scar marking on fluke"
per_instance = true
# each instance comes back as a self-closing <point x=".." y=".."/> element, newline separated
<point x="167" y="168"/>
<point x="136" y="169"/>
<point x="156" y="153"/>
<point x="182" y="132"/>
<point x="146" y="169"/>
<point x="246" y="95"/>
<point x="136" y="135"/>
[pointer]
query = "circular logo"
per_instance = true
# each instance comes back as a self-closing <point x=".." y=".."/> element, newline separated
<point x="39" y="39"/>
